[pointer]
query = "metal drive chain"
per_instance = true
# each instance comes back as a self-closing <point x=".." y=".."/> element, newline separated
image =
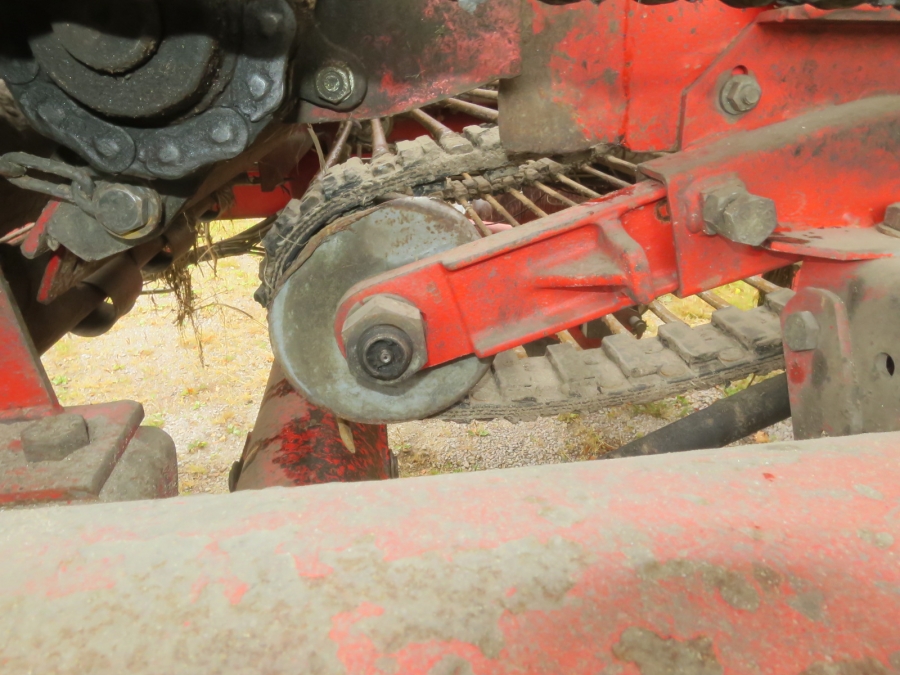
<point x="734" y="345"/>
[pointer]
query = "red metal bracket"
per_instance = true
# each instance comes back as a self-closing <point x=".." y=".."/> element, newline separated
<point x="594" y="259"/>
<point x="560" y="271"/>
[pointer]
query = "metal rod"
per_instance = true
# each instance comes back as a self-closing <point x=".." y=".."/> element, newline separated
<point x="763" y="285"/>
<point x="553" y="193"/>
<point x="479" y="223"/>
<point x="340" y="142"/>
<point x="473" y="109"/>
<point x="488" y="94"/>
<point x="713" y="300"/>
<point x="528" y="203"/>
<point x="578" y="187"/>
<point x="432" y="126"/>
<point x="615" y="326"/>
<point x="664" y="313"/>
<point x="497" y="205"/>
<point x="379" y="142"/>
<point x="724" y="422"/>
<point x="502" y="210"/>
<point x="616" y="163"/>
<point x="612" y="180"/>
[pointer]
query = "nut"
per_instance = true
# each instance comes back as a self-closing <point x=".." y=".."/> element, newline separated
<point x="54" y="438"/>
<point x="801" y="331"/>
<point x="735" y="214"/>
<point x="127" y="209"/>
<point x="334" y="83"/>
<point x="385" y="340"/>
<point x="740" y="94"/>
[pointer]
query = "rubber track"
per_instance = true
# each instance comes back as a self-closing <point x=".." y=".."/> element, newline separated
<point x="734" y="345"/>
<point x="355" y="184"/>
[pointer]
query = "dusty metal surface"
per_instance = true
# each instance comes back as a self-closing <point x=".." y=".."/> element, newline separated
<point x="778" y="559"/>
<point x="410" y="52"/>
<point x="842" y="359"/>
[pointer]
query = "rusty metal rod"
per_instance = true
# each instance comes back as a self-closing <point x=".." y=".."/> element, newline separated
<point x="546" y="189"/>
<point x="479" y="223"/>
<point x="340" y="142"/>
<point x="473" y="109"/>
<point x="487" y="94"/>
<point x="664" y="313"/>
<point x="495" y="204"/>
<point x="379" y="142"/>
<point x="614" y="162"/>
<point x="615" y="326"/>
<point x="612" y="180"/>
<point x="578" y="187"/>
<point x="432" y="126"/>
<point x="534" y="208"/>
<point x="763" y="285"/>
<point x="714" y="300"/>
<point x="502" y="210"/>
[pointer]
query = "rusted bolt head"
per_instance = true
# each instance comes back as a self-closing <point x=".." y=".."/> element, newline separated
<point x="740" y="94"/>
<point x="334" y="83"/>
<point x="384" y="338"/>
<point x="801" y="331"/>
<point x="126" y="209"/>
<point x="735" y="214"/>
<point x="892" y="216"/>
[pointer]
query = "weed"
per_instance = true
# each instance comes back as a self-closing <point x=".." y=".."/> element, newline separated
<point x="659" y="409"/>
<point x="193" y="446"/>
<point x="478" y="431"/>
<point x="155" y="420"/>
<point x="568" y="418"/>
<point x="60" y="381"/>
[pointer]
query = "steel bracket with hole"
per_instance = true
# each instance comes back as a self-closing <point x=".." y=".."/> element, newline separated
<point x="842" y="351"/>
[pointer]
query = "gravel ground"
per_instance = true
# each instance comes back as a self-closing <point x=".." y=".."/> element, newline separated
<point x="208" y="407"/>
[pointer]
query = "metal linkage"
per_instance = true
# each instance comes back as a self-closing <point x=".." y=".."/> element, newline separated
<point x="125" y="211"/>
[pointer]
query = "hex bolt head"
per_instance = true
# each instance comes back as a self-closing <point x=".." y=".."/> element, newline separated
<point x="740" y="94"/>
<point x="734" y="213"/>
<point x="334" y="83"/>
<point x="801" y="331"/>
<point x="892" y="216"/>
<point x="54" y="438"/>
<point x="384" y="338"/>
<point x="125" y="209"/>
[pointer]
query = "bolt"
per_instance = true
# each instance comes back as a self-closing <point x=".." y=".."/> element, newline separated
<point x="385" y="352"/>
<point x="54" y="438"/>
<point x="108" y="147"/>
<point x="169" y="153"/>
<point x="892" y="216"/>
<point x="334" y="83"/>
<point x="735" y="214"/>
<point x="258" y="86"/>
<point x="385" y="340"/>
<point x="740" y="94"/>
<point x="124" y="209"/>
<point x="801" y="331"/>
<point x="222" y="133"/>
